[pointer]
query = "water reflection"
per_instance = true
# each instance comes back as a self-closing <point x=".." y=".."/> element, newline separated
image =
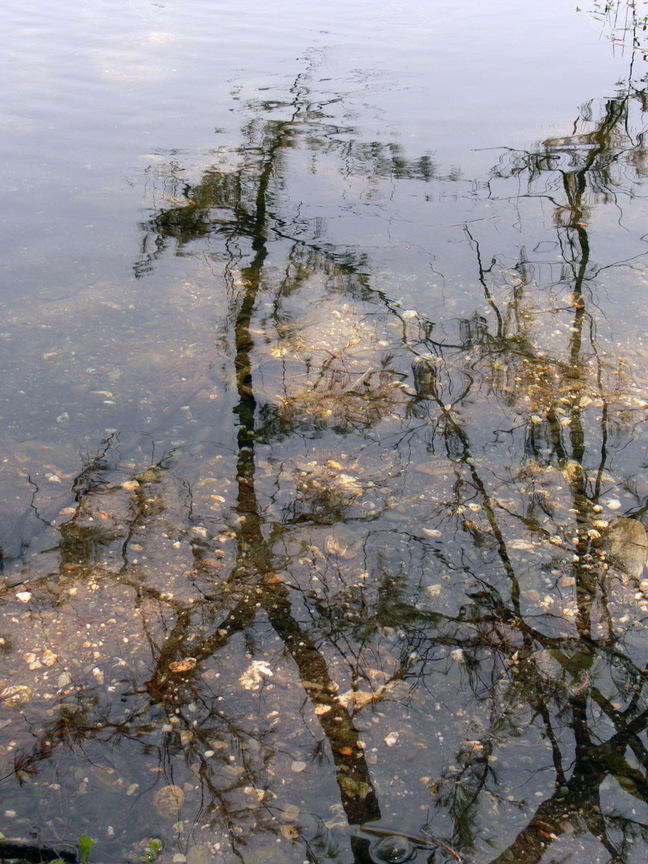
<point x="405" y="594"/>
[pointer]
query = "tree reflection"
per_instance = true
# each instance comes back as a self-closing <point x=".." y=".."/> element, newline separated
<point x="415" y="524"/>
<point x="505" y="654"/>
<point x="558" y="438"/>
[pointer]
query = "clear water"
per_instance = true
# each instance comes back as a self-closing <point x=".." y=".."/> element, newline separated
<point x="323" y="431"/>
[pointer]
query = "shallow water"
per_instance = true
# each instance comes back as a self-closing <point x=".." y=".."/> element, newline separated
<point x="323" y="447"/>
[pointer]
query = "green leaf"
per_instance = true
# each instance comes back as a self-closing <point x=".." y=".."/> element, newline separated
<point x="85" y="844"/>
<point x="155" y="847"/>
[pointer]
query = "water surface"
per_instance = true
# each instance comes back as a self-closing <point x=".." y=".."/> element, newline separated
<point x="323" y="447"/>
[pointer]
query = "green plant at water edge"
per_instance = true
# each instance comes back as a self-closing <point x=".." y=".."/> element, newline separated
<point x="85" y="845"/>
<point x="155" y="847"/>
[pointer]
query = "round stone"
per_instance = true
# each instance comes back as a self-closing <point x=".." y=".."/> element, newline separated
<point x="392" y="849"/>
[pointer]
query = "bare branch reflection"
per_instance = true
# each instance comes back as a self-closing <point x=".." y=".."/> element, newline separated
<point x="405" y="593"/>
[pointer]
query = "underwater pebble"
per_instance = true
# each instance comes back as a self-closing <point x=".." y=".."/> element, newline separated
<point x="290" y="813"/>
<point x="613" y="504"/>
<point x="48" y="657"/>
<point x="181" y="667"/>
<point x="24" y="596"/>
<point x="289" y="832"/>
<point x="168" y="801"/>
<point x="356" y="699"/>
<point x="392" y="738"/>
<point x="626" y="544"/>
<point x="252" y="678"/>
<point x="521" y="545"/>
<point x="334" y="548"/>
<point x="16" y="694"/>
<point x="297" y="767"/>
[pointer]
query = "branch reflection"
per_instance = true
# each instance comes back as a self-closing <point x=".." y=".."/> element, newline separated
<point x="411" y="591"/>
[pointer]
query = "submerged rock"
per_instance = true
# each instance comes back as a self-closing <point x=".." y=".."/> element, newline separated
<point x="16" y="694"/>
<point x="626" y="545"/>
<point x="199" y="855"/>
<point x="168" y="802"/>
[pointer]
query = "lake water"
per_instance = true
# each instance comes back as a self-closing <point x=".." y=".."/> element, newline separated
<point x="324" y="409"/>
